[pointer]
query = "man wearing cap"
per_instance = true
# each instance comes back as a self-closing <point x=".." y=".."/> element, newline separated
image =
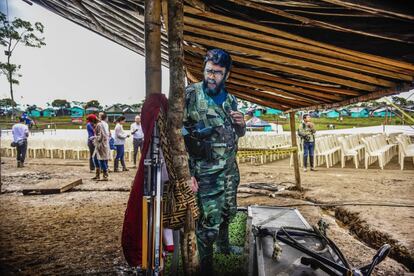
<point x="212" y="127"/>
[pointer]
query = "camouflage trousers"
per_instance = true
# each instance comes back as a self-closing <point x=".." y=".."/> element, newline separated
<point x="217" y="201"/>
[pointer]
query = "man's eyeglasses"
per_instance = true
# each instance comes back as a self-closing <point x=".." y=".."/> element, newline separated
<point x="214" y="73"/>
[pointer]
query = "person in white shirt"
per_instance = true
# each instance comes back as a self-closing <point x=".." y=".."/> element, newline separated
<point x="119" y="141"/>
<point x="20" y="133"/>
<point x="138" y="137"/>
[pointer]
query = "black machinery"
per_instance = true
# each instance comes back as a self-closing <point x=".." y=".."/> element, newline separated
<point x="281" y="242"/>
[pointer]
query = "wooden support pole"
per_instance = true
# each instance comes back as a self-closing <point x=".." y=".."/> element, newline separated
<point x="175" y="115"/>
<point x="152" y="46"/>
<point x="295" y="154"/>
<point x="177" y="84"/>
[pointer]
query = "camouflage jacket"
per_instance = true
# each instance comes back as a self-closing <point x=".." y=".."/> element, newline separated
<point x="211" y="137"/>
<point x="306" y="133"/>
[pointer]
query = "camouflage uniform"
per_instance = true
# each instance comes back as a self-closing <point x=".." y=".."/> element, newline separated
<point x="307" y="134"/>
<point x="212" y="163"/>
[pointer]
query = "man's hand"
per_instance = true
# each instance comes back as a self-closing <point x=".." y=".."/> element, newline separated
<point x="237" y="117"/>
<point x="194" y="184"/>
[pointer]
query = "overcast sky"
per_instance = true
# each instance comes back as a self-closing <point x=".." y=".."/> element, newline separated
<point x="76" y="64"/>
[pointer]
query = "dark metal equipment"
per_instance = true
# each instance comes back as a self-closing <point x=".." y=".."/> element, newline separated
<point x="281" y="242"/>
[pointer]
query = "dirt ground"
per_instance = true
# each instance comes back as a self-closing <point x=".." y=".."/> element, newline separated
<point x="78" y="232"/>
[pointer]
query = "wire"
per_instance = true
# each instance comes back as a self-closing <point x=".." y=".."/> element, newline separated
<point x="336" y="204"/>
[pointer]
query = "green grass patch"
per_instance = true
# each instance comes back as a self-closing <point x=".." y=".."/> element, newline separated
<point x="225" y="264"/>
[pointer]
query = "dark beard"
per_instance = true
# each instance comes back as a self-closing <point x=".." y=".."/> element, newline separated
<point x="215" y="91"/>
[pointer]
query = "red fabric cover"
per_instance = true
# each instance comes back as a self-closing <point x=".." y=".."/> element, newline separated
<point x="169" y="248"/>
<point x="132" y="228"/>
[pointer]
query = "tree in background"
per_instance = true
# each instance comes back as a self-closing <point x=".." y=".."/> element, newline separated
<point x="59" y="103"/>
<point x="7" y="102"/>
<point x="12" y="34"/>
<point x="400" y="101"/>
<point x="137" y="106"/>
<point x="92" y="103"/>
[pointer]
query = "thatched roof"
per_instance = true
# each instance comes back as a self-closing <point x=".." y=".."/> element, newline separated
<point x="287" y="54"/>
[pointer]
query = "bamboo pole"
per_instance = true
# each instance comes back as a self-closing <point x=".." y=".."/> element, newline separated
<point x="295" y="154"/>
<point x="152" y="47"/>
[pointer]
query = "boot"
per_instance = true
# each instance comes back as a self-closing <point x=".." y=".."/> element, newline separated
<point x="305" y="163"/>
<point x="223" y="245"/>
<point x="105" y="175"/>
<point x="124" y="168"/>
<point x="206" y="265"/>
<point x="97" y="175"/>
<point x="19" y="164"/>
<point x="116" y="164"/>
<point x="311" y="160"/>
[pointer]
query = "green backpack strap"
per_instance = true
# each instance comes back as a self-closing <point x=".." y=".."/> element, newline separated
<point x="201" y="104"/>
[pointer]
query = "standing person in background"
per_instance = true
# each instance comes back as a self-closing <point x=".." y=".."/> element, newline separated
<point x="20" y="133"/>
<point x="104" y="119"/>
<point x="307" y="134"/>
<point x="102" y="152"/>
<point x="91" y="120"/>
<point x="138" y="137"/>
<point x="119" y="141"/>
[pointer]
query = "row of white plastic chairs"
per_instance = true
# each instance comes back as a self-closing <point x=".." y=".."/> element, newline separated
<point x="331" y="149"/>
<point x="378" y="148"/>
<point x="51" y="147"/>
<point x="262" y="141"/>
<point x="405" y="149"/>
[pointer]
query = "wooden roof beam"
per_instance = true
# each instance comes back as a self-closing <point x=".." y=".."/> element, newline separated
<point x="287" y="88"/>
<point x="283" y="68"/>
<point x="267" y="42"/>
<point x="78" y="3"/>
<point x="363" y="98"/>
<point x="267" y="76"/>
<point x="321" y="89"/>
<point x="307" y="21"/>
<point x="271" y="92"/>
<point x="265" y="92"/>
<point x="296" y="38"/>
<point x="268" y="103"/>
<point x="371" y="10"/>
<point x="80" y="21"/>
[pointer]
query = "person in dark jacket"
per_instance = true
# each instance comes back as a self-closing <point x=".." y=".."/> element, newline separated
<point x="92" y="121"/>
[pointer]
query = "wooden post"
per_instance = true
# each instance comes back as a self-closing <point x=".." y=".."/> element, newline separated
<point x="175" y="122"/>
<point x="177" y="85"/>
<point x="295" y="154"/>
<point x="152" y="46"/>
